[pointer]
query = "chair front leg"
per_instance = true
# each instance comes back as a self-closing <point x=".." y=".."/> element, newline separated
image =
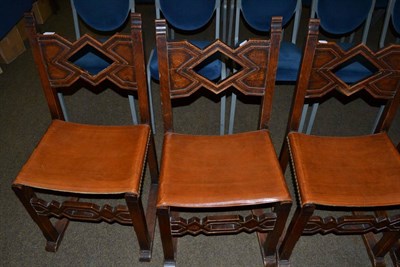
<point x="295" y="230"/>
<point x="168" y="244"/>
<point x="53" y="234"/>
<point x="269" y="241"/>
<point x="139" y="222"/>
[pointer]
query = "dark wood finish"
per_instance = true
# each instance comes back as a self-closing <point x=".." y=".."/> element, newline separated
<point x="253" y="79"/>
<point x="178" y="79"/>
<point x="317" y="80"/>
<point x="127" y="71"/>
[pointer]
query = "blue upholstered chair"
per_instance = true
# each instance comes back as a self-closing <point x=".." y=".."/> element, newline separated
<point x="393" y="16"/>
<point x="103" y="16"/>
<point x="188" y="18"/>
<point x="341" y="19"/>
<point x="257" y="14"/>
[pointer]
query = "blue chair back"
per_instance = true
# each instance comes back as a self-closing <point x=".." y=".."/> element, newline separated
<point x="342" y="16"/>
<point x="188" y="15"/>
<point x="103" y="15"/>
<point x="259" y="15"/>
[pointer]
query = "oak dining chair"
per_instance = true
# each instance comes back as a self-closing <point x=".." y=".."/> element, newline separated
<point x="76" y="161"/>
<point x="356" y="174"/>
<point x="213" y="173"/>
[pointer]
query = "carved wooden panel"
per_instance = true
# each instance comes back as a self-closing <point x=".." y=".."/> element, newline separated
<point x="359" y="224"/>
<point x="82" y="211"/>
<point x="62" y="72"/>
<point x="223" y="224"/>
<point x="329" y="56"/>
<point x="250" y="79"/>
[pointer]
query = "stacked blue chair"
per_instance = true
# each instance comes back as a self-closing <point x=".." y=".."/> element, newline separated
<point x="257" y="14"/>
<point x="103" y="16"/>
<point x="189" y="17"/>
<point x="341" y="19"/>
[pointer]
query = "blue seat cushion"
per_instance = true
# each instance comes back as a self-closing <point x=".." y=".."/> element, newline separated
<point x="356" y="70"/>
<point x="289" y="62"/>
<point x="211" y="71"/>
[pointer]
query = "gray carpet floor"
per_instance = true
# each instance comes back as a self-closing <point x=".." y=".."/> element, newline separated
<point x="24" y="117"/>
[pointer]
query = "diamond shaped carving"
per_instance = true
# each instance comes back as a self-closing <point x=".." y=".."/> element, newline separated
<point x="90" y="59"/>
<point x="185" y="76"/>
<point x="355" y="69"/>
<point x="65" y="67"/>
<point x="330" y="63"/>
<point x="211" y="67"/>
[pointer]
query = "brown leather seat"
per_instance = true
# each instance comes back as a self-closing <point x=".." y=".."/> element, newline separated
<point x="217" y="177"/>
<point x="88" y="159"/>
<point x="334" y="171"/>
<point x="75" y="160"/>
<point x="220" y="174"/>
<point x="357" y="174"/>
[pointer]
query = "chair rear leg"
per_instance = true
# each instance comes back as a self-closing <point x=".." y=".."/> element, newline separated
<point x="377" y="249"/>
<point x="386" y="243"/>
<point x="151" y="211"/>
<point x="293" y="233"/>
<point x="168" y="242"/>
<point x="52" y="233"/>
<point x="395" y="254"/>
<point x="135" y="207"/>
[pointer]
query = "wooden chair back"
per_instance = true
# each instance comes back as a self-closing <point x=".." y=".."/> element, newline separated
<point x="178" y="61"/>
<point x="317" y="78"/>
<point x="97" y="149"/>
<point x="125" y="54"/>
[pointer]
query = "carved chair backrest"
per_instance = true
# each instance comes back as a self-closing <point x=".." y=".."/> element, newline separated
<point x="178" y="61"/>
<point x="317" y="78"/>
<point x="126" y="71"/>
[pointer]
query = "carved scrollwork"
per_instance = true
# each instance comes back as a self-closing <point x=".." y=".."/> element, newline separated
<point x="223" y="224"/>
<point x="82" y="211"/>
<point x="359" y="224"/>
